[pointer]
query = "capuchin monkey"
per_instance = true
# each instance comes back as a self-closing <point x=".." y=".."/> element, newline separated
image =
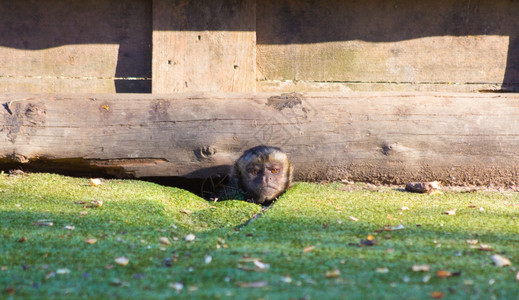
<point x="262" y="173"/>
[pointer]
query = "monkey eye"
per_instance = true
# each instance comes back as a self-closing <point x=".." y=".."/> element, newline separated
<point x="254" y="172"/>
<point x="274" y="171"/>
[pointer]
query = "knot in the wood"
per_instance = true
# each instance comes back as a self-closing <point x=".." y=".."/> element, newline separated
<point x="35" y="114"/>
<point x="282" y="101"/>
<point x="205" y="152"/>
<point x="386" y="149"/>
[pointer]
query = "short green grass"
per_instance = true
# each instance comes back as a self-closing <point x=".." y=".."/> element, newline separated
<point x="311" y="244"/>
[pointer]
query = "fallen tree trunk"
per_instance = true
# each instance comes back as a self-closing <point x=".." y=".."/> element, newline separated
<point x="376" y="137"/>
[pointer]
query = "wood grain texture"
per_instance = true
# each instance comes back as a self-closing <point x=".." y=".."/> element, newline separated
<point x="75" y="46"/>
<point x="444" y="45"/>
<point x="204" y="46"/>
<point x="377" y="137"/>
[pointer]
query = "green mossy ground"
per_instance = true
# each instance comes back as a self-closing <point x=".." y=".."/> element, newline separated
<point x="135" y="214"/>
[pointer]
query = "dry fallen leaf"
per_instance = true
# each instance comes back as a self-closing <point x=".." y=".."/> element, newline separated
<point x="70" y="227"/>
<point x="443" y="274"/>
<point x="185" y="211"/>
<point x="62" y="271"/>
<point x="208" y="259"/>
<point x="404" y="208"/>
<point x="190" y="237"/>
<point x="96" y="203"/>
<point x="256" y="284"/>
<point x="437" y="295"/>
<point x="485" y="247"/>
<point x="95" y="181"/>
<point x="178" y="286"/>
<point x="261" y="265"/>
<point x="500" y="261"/>
<point x="382" y="270"/>
<point x="353" y="219"/>
<point x="399" y="227"/>
<point x="50" y="275"/>
<point x="192" y="288"/>
<point x="122" y="261"/>
<point x="451" y="212"/>
<point x="288" y="279"/>
<point x="258" y="264"/>
<point x="22" y="239"/>
<point x="308" y="249"/>
<point x="421" y="268"/>
<point x="43" y="223"/>
<point x="91" y="241"/>
<point x="332" y="273"/>
<point x="164" y="240"/>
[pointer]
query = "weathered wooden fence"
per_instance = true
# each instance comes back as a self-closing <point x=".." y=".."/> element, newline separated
<point x="143" y="88"/>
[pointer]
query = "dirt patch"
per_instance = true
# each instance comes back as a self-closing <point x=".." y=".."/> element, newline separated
<point x="494" y="177"/>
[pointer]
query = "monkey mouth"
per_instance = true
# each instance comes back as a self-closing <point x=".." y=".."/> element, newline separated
<point x="269" y="191"/>
<point x="268" y="187"/>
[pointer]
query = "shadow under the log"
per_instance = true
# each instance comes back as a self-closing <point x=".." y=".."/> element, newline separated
<point x="76" y="167"/>
<point x="207" y="186"/>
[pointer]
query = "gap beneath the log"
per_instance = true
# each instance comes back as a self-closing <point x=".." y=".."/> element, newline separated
<point x="78" y="167"/>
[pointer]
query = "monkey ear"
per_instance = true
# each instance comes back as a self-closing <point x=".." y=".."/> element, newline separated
<point x="236" y="176"/>
<point x="290" y="176"/>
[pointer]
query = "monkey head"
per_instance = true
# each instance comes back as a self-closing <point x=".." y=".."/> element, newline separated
<point x="263" y="173"/>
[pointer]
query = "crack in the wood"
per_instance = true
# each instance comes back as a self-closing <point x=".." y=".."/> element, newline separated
<point x="75" y="77"/>
<point x="6" y="106"/>
<point x="394" y="82"/>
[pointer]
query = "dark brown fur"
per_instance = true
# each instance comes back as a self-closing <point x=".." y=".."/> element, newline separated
<point x="262" y="173"/>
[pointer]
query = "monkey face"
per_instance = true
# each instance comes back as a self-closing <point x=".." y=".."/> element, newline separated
<point x="263" y="173"/>
<point x="266" y="181"/>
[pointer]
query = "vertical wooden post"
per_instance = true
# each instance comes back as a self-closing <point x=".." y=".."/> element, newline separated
<point x="204" y="46"/>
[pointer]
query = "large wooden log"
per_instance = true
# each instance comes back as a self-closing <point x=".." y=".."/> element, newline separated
<point x="377" y="137"/>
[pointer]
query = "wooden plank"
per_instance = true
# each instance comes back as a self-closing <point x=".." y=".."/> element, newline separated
<point x="444" y="45"/>
<point x="280" y="86"/>
<point x="204" y="46"/>
<point x="75" y="46"/>
<point x="377" y="137"/>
